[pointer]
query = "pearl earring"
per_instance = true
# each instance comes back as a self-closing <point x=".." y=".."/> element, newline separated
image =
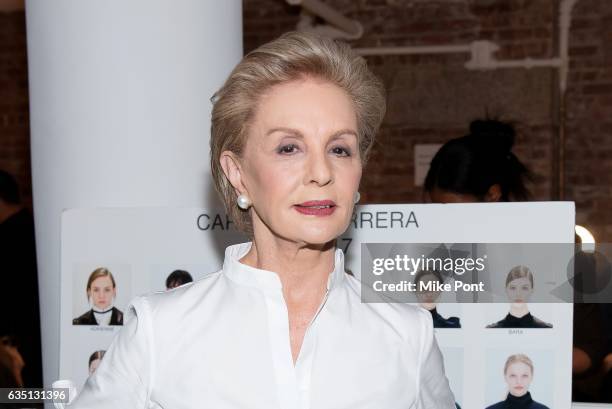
<point x="243" y="202"/>
<point x="356" y="197"/>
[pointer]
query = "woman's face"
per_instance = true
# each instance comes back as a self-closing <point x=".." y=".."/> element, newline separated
<point x="94" y="365"/>
<point x="301" y="164"/>
<point x="427" y="299"/>
<point x="519" y="290"/>
<point x="102" y="292"/>
<point x="518" y="377"/>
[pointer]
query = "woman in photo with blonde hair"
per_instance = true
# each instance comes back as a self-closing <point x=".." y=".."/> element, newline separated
<point x="281" y="325"/>
<point x="101" y="293"/>
<point x="518" y="374"/>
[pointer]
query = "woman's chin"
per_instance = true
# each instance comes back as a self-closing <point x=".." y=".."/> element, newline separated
<point x="317" y="240"/>
<point x="317" y="236"/>
<point x="518" y="393"/>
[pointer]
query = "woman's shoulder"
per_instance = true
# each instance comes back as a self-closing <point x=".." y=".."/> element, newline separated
<point x="538" y="323"/>
<point x="450" y="322"/>
<point x="498" y="324"/>
<point x="116" y="317"/>
<point x="537" y="405"/>
<point x="182" y="297"/>
<point x="85" y="319"/>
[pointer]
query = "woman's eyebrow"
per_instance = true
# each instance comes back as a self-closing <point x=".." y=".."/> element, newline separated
<point x="296" y="133"/>
<point x="343" y="132"/>
<point x="293" y="132"/>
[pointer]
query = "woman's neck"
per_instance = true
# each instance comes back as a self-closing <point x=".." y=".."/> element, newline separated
<point x="519" y="310"/>
<point x="303" y="269"/>
<point x="429" y="306"/>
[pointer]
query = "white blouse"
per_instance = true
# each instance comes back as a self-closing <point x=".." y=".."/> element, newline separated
<point x="103" y="318"/>
<point x="223" y="342"/>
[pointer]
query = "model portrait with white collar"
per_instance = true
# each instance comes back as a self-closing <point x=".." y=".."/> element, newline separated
<point x="101" y="294"/>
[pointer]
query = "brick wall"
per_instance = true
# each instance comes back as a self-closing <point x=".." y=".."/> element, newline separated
<point x="589" y="116"/>
<point x="433" y="98"/>
<point x="14" y="118"/>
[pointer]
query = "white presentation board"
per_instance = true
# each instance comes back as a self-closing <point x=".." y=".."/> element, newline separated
<point x="141" y="246"/>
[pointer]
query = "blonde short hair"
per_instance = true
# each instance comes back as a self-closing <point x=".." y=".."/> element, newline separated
<point x="519" y="272"/>
<point x="522" y="358"/>
<point x="293" y="56"/>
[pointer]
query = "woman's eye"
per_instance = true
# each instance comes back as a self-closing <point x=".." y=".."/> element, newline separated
<point x="340" y="151"/>
<point x="287" y="149"/>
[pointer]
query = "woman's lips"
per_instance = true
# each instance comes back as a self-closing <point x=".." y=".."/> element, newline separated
<point x="316" y="207"/>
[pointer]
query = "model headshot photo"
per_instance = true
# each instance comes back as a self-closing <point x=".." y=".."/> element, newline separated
<point x="428" y="299"/>
<point x="518" y="375"/>
<point x="519" y="287"/>
<point x="177" y="278"/>
<point x="94" y="360"/>
<point x="101" y="294"/>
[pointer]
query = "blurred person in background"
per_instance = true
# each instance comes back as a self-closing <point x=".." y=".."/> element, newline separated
<point x="478" y="167"/>
<point x="481" y="167"/>
<point x="20" y="317"/>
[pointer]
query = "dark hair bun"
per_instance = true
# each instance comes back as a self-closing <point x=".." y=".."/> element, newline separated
<point x="497" y="135"/>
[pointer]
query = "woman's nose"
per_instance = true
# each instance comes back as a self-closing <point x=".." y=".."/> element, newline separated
<point x="318" y="169"/>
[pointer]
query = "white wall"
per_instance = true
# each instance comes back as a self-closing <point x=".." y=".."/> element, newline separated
<point x="120" y="113"/>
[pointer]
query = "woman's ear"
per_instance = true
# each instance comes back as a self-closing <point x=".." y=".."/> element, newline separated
<point x="231" y="167"/>
<point x="494" y="193"/>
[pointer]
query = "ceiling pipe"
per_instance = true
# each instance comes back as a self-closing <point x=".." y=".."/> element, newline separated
<point x="338" y="25"/>
<point x="482" y="51"/>
<point x="442" y="49"/>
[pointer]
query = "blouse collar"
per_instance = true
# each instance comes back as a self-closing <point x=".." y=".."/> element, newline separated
<point x="264" y="279"/>
<point x="519" y="401"/>
<point x="525" y="319"/>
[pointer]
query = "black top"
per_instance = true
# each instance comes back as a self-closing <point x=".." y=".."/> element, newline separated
<point x="441" y="322"/>
<point x="518" y="402"/>
<point x="20" y="305"/>
<point x="90" y="319"/>
<point x="526" y="321"/>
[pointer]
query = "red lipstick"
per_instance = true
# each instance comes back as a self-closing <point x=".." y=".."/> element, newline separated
<point x="316" y="207"/>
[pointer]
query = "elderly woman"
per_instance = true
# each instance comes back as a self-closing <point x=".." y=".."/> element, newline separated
<point x="281" y="325"/>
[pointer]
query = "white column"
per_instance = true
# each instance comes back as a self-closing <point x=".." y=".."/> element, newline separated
<point x="120" y="113"/>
